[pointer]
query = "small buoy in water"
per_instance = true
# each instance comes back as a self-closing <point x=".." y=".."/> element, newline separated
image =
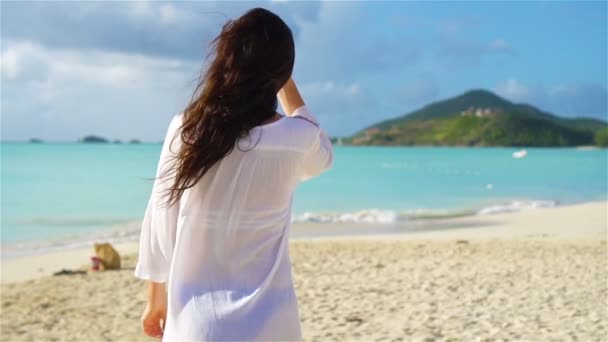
<point x="489" y="186"/>
<point x="520" y="154"/>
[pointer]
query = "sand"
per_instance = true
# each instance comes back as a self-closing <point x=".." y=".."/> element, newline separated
<point x="537" y="275"/>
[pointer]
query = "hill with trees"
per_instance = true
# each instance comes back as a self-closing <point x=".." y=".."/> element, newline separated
<point x="482" y="118"/>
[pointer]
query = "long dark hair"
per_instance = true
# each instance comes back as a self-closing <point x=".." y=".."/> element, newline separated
<point x="253" y="58"/>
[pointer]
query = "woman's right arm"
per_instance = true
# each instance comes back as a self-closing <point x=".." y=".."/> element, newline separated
<point x="290" y="98"/>
<point x="319" y="155"/>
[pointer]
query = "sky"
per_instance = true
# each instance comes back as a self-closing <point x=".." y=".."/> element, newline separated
<point x="122" y="69"/>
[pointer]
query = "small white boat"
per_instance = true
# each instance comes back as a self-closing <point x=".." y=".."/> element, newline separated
<point x="520" y="154"/>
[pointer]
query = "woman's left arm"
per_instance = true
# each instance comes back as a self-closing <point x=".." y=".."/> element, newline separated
<point x="157" y="239"/>
<point x="159" y="225"/>
<point x="154" y="318"/>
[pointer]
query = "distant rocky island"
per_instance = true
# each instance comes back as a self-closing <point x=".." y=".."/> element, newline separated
<point x="93" y="139"/>
<point x="35" y="141"/>
<point x="481" y="118"/>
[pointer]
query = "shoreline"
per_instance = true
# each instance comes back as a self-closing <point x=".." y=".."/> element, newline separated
<point x="585" y="221"/>
<point x="306" y="225"/>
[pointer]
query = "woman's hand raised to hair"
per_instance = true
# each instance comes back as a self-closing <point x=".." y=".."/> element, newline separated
<point x="290" y="97"/>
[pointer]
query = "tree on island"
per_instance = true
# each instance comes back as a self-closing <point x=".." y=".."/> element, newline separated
<point x="601" y="138"/>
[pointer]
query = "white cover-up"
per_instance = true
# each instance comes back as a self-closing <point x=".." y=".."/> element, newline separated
<point x="222" y="249"/>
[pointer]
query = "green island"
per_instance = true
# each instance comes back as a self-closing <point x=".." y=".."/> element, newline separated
<point x="482" y="118"/>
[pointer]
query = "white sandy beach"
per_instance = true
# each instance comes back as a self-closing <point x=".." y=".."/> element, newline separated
<point x="534" y="275"/>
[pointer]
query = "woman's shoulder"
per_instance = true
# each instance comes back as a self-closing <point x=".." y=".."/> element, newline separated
<point x="285" y="134"/>
<point x="176" y="120"/>
<point x="300" y="127"/>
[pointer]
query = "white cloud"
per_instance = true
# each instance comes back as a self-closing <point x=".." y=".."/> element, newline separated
<point x="46" y="91"/>
<point x="499" y="43"/>
<point x="330" y="88"/>
<point x="32" y="61"/>
<point x="141" y="8"/>
<point x="577" y="99"/>
<point x="69" y="92"/>
<point x="454" y="52"/>
<point x="9" y="64"/>
<point x="161" y="12"/>
<point x="421" y="90"/>
<point x="455" y="25"/>
<point x="329" y="97"/>
<point x="168" y="13"/>
<point x="340" y="106"/>
<point x="513" y="89"/>
<point x="343" y="44"/>
<point x="179" y="29"/>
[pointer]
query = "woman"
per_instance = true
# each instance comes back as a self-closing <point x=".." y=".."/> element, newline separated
<point x="216" y="226"/>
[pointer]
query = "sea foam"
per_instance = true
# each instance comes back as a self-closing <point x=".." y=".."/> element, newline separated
<point x="516" y="206"/>
<point x="362" y="216"/>
<point x="391" y="216"/>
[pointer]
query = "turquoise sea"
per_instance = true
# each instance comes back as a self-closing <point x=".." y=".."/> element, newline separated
<point x="54" y="190"/>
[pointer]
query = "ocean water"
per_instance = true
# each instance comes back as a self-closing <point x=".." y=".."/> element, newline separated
<point x="54" y="190"/>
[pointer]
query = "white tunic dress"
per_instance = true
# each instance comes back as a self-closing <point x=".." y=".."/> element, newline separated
<point x="222" y="250"/>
